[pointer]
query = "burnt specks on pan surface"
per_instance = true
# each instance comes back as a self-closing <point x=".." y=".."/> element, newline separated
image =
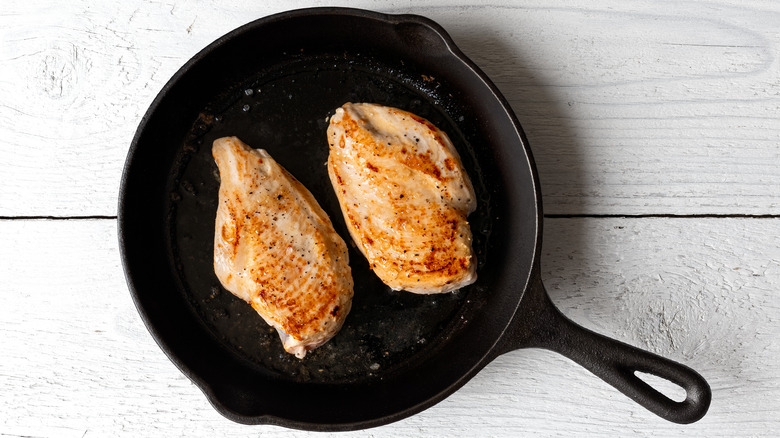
<point x="286" y="110"/>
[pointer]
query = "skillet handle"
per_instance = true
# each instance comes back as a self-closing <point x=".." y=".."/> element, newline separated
<point x="615" y="362"/>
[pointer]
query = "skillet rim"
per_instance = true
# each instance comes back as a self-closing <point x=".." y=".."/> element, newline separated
<point x="122" y="216"/>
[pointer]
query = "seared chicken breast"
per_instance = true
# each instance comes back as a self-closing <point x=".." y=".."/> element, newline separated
<point x="405" y="197"/>
<point x="275" y="248"/>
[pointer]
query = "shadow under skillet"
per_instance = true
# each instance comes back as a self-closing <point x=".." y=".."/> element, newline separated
<point x="553" y="140"/>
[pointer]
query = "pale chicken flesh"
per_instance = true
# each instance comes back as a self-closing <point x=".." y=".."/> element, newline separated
<point x="276" y="249"/>
<point x="405" y="197"/>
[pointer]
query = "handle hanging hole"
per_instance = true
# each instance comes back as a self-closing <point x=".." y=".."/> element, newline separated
<point x="669" y="389"/>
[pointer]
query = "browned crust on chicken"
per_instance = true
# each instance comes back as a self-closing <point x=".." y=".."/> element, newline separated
<point x="276" y="248"/>
<point x="404" y="195"/>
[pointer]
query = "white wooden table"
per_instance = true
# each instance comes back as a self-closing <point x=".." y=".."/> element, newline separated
<point x="656" y="128"/>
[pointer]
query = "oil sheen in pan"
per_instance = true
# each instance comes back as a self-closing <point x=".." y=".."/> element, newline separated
<point x="284" y="110"/>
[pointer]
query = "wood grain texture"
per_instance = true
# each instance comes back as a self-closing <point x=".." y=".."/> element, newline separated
<point x="641" y="108"/>
<point x="630" y="108"/>
<point x="77" y="361"/>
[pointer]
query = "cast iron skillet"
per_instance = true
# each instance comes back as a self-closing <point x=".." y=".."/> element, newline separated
<point x="273" y="83"/>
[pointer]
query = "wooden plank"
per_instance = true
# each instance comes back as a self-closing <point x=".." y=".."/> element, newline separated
<point x="629" y="108"/>
<point x="75" y="79"/>
<point x="77" y="361"/>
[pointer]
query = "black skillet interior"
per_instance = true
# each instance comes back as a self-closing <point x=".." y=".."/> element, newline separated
<point x="274" y="83"/>
<point x="285" y="111"/>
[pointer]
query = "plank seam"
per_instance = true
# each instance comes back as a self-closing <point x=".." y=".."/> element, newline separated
<point x="57" y="218"/>
<point x="662" y="216"/>
<point x="546" y="216"/>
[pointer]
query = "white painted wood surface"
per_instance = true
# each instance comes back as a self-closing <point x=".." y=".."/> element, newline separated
<point x="631" y="108"/>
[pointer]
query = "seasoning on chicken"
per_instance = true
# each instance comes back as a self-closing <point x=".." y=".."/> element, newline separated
<point x="405" y="197"/>
<point x="275" y="248"/>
